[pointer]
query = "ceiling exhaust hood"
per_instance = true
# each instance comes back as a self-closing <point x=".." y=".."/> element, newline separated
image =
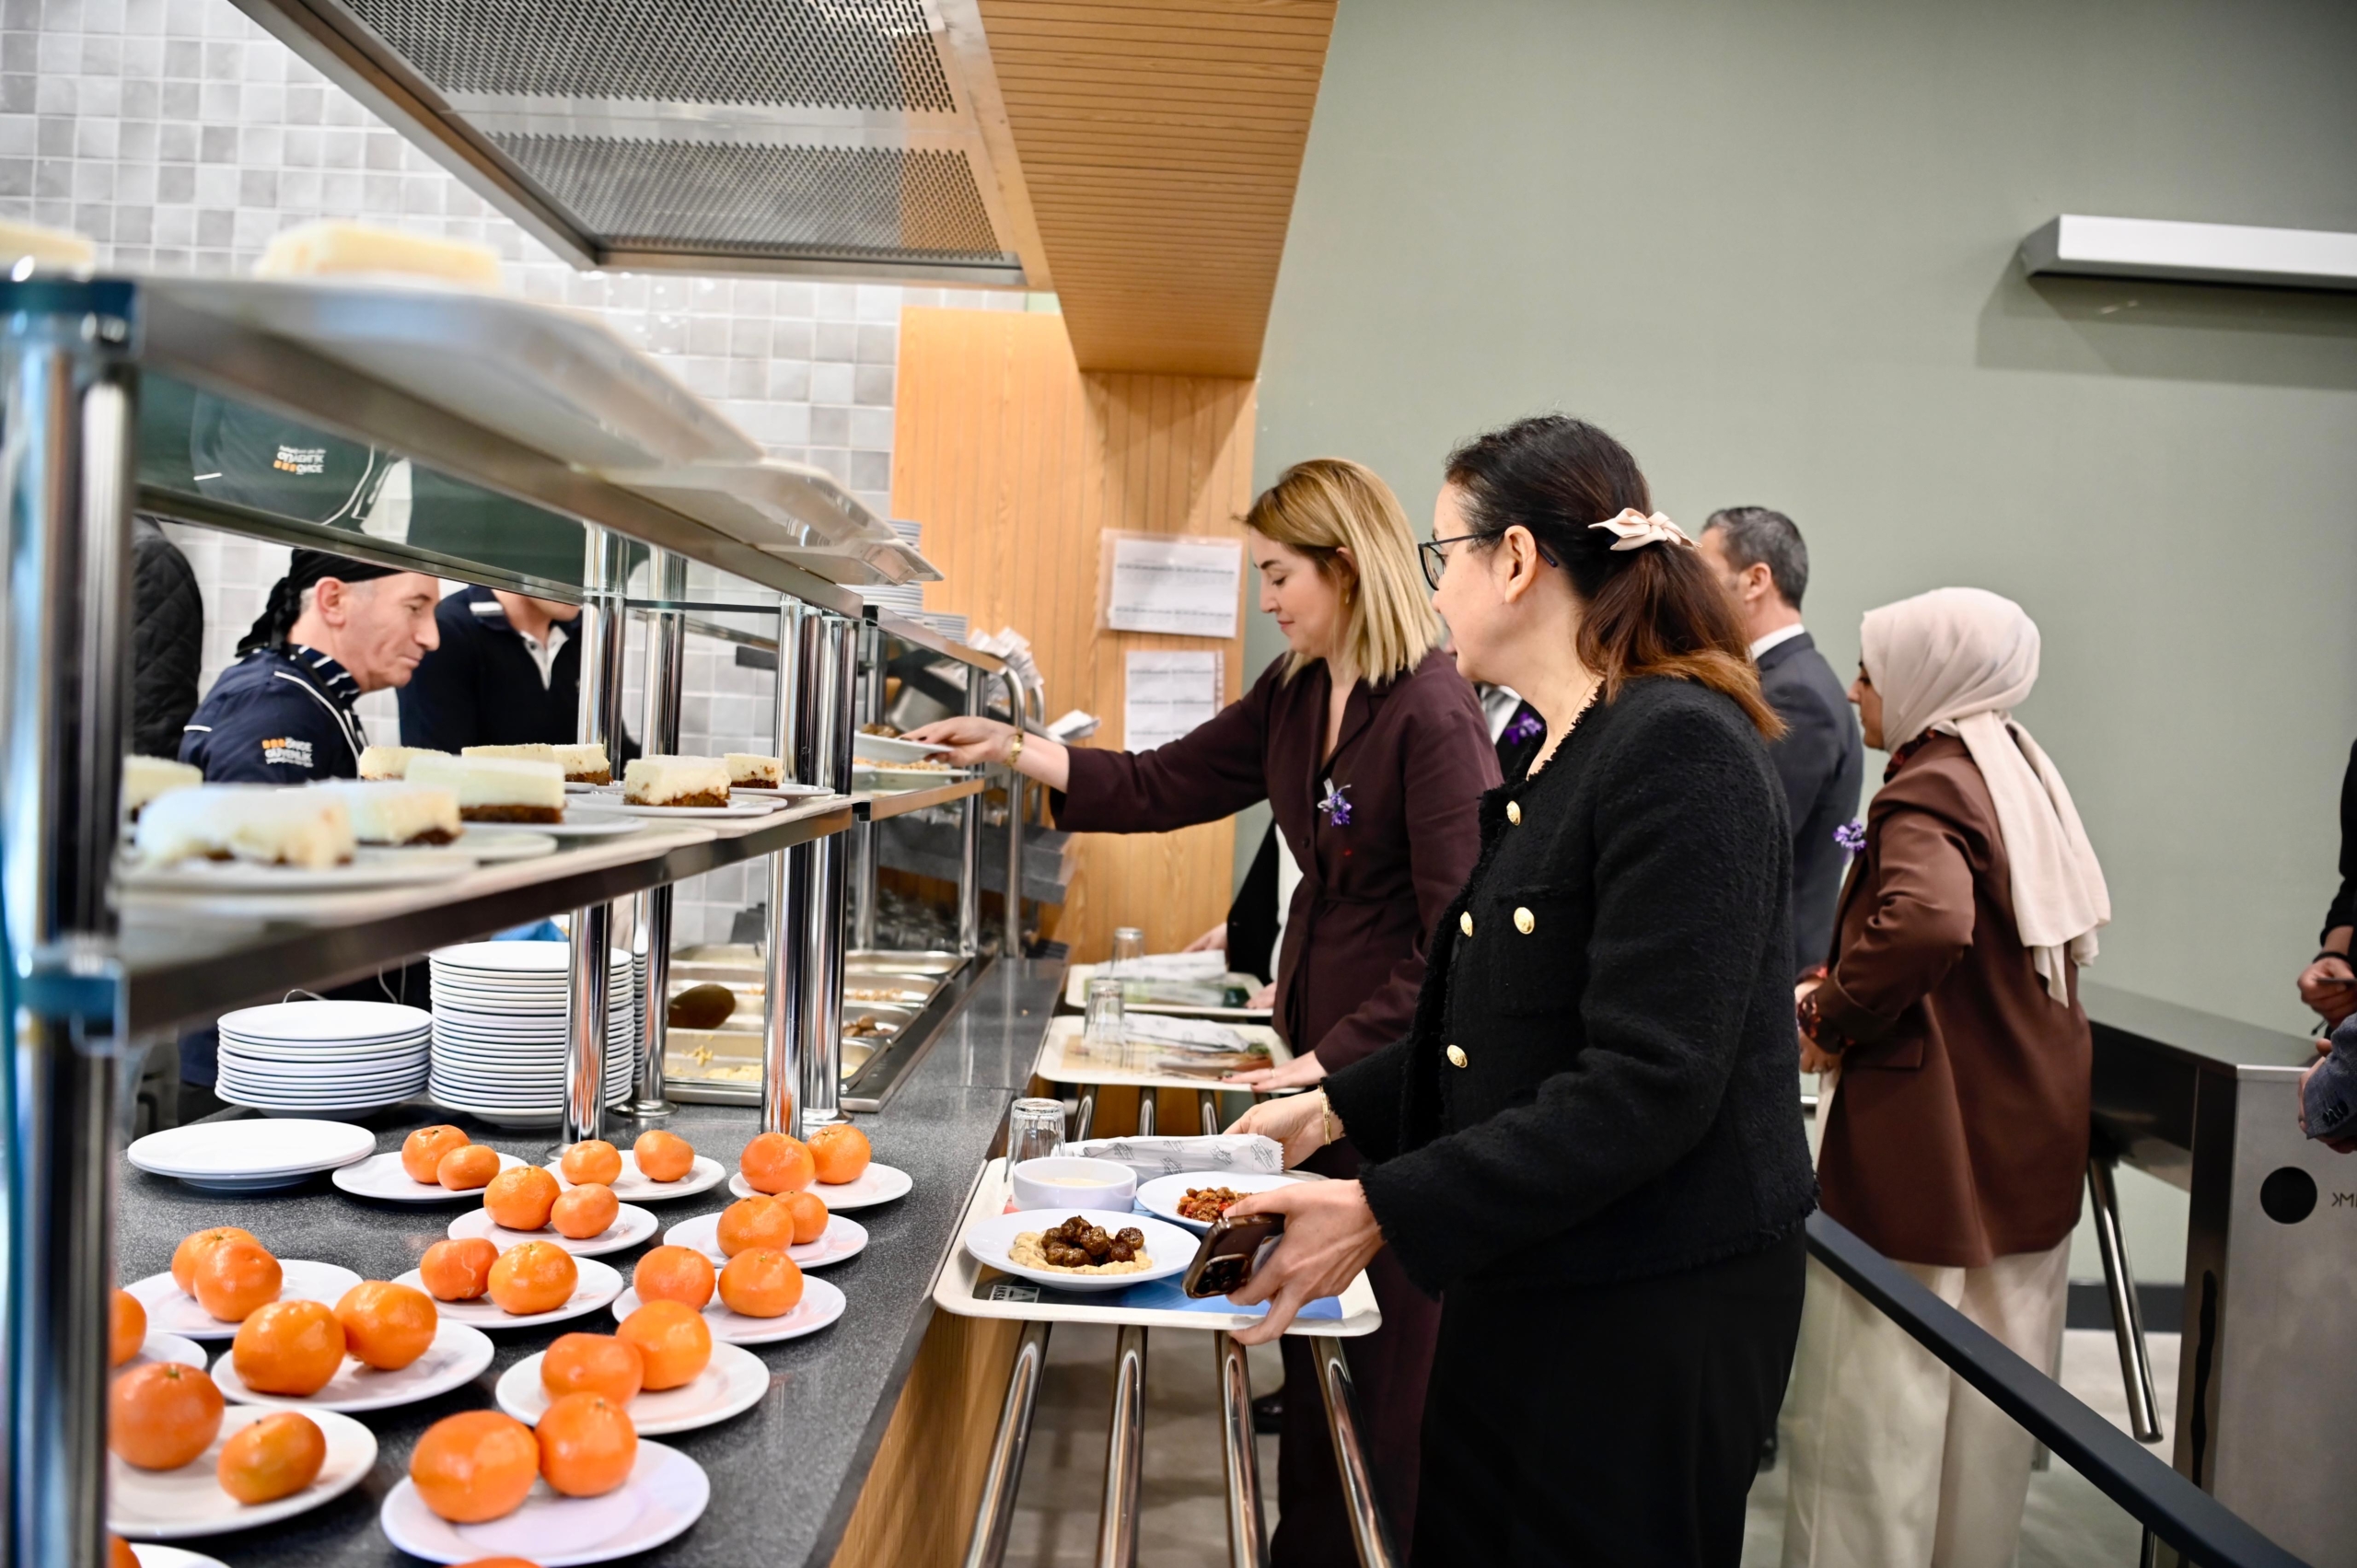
<point x="858" y="139"/>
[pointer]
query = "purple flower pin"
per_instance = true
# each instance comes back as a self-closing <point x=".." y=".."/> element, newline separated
<point x="1525" y="725"/>
<point x="1337" y="804"/>
<point x="1850" y="836"/>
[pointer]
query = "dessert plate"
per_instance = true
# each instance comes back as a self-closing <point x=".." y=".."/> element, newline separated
<point x="487" y="842"/>
<point x="168" y="1505"/>
<point x="879" y="1184"/>
<point x="596" y="1285"/>
<point x="842" y="1238"/>
<point x="733" y="1382"/>
<point x="630" y="1227"/>
<point x="369" y="867"/>
<point x="781" y="792"/>
<point x="326" y="1023"/>
<point x="734" y="808"/>
<point x="666" y="1493"/>
<point x="457" y="1355"/>
<point x="1160" y="1196"/>
<point x="171" y="1310"/>
<point x="634" y="1186"/>
<point x="581" y="824"/>
<point x="821" y="1304"/>
<point x="226" y="1156"/>
<point x="1169" y="1249"/>
<point x="381" y="1176"/>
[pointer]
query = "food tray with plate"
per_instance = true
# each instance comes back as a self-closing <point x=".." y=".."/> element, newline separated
<point x="965" y="1288"/>
<point x="1173" y="1000"/>
<point x="1062" y="1060"/>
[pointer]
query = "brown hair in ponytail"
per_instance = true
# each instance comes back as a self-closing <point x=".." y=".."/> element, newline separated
<point x="1658" y="610"/>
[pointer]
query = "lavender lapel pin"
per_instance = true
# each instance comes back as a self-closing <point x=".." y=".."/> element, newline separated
<point x="1337" y="804"/>
<point x="1850" y="836"/>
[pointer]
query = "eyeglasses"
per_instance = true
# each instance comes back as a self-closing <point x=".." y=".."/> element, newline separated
<point x="1435" y="561"/>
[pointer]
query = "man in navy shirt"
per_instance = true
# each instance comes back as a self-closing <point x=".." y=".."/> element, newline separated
<point x="334" y="627"/>
<point x="507" y="673"/>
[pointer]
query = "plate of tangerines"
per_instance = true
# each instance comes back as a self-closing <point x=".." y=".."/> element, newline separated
<point x="531" y="1282"/>
<point x="526" y="1205"/>
<point x="759" y="1296"/>
<point x="667" y="1379"/>
<point x="660" y="1165"/>
<point x="221" y="1276"/>
<point x="433" y="1164"/>
<point x="184" y="1462"/>
<point x="836" y="1164"/>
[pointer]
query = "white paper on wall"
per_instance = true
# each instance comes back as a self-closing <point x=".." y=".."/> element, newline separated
<point x="1158" y="583"/>
<point x="1167" y="693"/>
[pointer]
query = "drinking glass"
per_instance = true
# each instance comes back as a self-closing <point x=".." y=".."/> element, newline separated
<point x="1129" y="947"/>
<point x="1102" y="1036"/>
<point x="1035" y="1129"/>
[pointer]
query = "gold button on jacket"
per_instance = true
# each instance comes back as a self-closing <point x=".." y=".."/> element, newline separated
<point x="1514" y="812"/>
<point x="1457" y="1056"/>
<point x="1524" y="921"/>
<point x="1464" y="923"/>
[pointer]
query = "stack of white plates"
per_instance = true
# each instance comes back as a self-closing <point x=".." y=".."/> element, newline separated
<point x="499" y="1029"/>
<point x="324" y="1059"/>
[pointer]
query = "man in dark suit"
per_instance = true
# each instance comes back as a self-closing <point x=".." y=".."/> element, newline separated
<point x="1821" y="758"/>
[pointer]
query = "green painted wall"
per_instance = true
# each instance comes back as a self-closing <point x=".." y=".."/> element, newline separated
<point x="1771" y="247"/>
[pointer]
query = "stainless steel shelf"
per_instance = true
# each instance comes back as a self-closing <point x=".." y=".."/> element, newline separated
<point x="877" y="806"/>
<point x="180" y="968"/>
<point x="907" y="630"/>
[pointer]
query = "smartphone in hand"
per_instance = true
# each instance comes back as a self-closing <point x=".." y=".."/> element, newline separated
<point x="1231" y="1250"/>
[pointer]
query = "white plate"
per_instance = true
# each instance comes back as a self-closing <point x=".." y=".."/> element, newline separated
<point x="892" y="747"/>
<point x="821" y="1304"/>
<point x="1169" y="1248"/>
<point x="363" y="1105"/>
<point x="581" y="824"/>
<point x="596" y="1285"/>
<point x="170" y="1505"/>
<point x="173" y="1349"/>
<point x="381" y="1176"/>
<point x="457" y="1355"/>
<point x="206" y="1151"/>
<point x="913" y="778"/>
<point x="491" y="844"/>
<point x="576" y="786"/>
<point x="374" y="1062"/>
<point x="1160" y="1196"/>
<point x="633" y="1186"/>
<point x="503" y="959"/>
<point x="732" y="1382"/>
<point x="326" y="1023"/>
<point x="173" y="1311"/>
<point x="880" y="1183"/>
<point x="667" y="1491"/>
<point x="630" y="1227"/>
<point x="154" y="1555"/>
<point x="369" y="867"/>
<point x="782" y="792"/>
<point x="842" y="1238"/>
<point x="734" y="808"/>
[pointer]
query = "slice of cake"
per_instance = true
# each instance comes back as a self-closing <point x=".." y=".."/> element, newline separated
<point x="497" y="789"/>
<point x="265" y="824"/>
<point x="676" y="781"/>
<point x="392" y="761"/>
<point x="762" y="772"/>
<point x="400" y="813"/>
<point x="145" y="778"/>
<point x="534" y="751"/>
<point x="335" y="248"/>
<point x="585" y="763"/>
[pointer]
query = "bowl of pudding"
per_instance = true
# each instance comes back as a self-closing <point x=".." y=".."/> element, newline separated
<point x="1066" y="1182"/>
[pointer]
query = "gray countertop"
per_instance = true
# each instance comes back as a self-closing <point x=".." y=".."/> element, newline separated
<point x="786" y="1473"/>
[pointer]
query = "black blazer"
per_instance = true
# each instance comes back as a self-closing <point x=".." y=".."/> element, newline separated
<point x="1597" y="1085"/>
<point x="1822" y="760"/>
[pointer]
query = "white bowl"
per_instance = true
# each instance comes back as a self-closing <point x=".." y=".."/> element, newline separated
<point x="1066" y="1182"/>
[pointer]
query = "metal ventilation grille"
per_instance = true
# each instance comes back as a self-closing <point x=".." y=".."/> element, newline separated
<point x="874" y="54"/>
<point x="893" y="204"/>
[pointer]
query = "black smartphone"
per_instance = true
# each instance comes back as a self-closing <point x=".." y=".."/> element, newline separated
<point x="1231" y="1250"/>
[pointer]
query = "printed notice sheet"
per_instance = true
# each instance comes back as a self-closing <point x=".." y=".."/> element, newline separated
<point x="1165" y="584"/>
<point x="1167" y="694"/>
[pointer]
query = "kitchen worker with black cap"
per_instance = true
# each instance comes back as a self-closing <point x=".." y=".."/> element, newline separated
<point x="334" y="629"/>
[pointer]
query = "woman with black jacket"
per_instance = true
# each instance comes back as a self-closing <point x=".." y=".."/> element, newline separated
<point x="1588" y="1142"/>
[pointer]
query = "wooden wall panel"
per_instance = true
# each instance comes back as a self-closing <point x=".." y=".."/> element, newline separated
<point x="916" y="1508"/>
<point x="1015" y="462"/>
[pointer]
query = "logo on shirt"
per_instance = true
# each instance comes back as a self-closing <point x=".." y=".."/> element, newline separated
<point x="300" y="459"/>
<point x="287" y="753"/>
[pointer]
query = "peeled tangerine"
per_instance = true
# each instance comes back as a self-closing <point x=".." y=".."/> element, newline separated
<point x="274" y="1457"/>
<point x="587" y="1445"/>
<point x="162" y="1415"/>
<point x="195" y="1245"/>
<point x="475" y="1466"/>
<point x="126" y="1329"/>
<point x="236" y="1277"/>
<point x="288" y="1347"/>
<point x="594" y="1364"/>
<point x="662" y="1157"/>
<point x="841" y="1153"/>
<point x="671" y="1339"/>
<point x="592" y="1159"/>
<point x="533" y="1276"/>
<point x="775" y="1163"/>
<point x="674" y="1273"/>
<point x="458" y="1271"/>
<point x="386" y="1326"/>
<point x="520" y="1197"/>
<point x="423" y="1151"/>
<point x="760" y="1282"/>
<point x="584" y="1211"/>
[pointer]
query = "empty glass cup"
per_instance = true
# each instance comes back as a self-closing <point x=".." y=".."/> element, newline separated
<point x="1102" y="1035"/>
<point x="1035" y="1129"/>
<point x="1129" y="947"/>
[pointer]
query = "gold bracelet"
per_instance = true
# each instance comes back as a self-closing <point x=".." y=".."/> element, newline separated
<point x="1015" y="750"/>
<point x="1333" y="1128"/>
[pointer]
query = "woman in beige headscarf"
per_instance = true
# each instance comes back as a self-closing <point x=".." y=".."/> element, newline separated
<point x="1956" y="1139"/>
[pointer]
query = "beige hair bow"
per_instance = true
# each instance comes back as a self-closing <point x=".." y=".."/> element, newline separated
<point x="1635" y="530"/>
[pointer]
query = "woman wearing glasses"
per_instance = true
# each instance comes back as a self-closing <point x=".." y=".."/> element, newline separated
<point x="1372" y="752"/>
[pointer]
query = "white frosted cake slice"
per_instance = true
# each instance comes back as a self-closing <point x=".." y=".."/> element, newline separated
<point x="763" y="772"/>
<point x="266" y="824"/>
<point x="400" y="813"/>
<point x="334" y="249"/>
<point x="497" y="789"/>
<point x="585" y="763"/>
<point x="392" y="761"/>
<point x="534" y="751"/>
<point x="676" y="781"/>
<point x="145" y="778"/>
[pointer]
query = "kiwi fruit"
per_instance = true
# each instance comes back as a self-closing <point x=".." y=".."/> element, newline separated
<point x="705" y="1006"/>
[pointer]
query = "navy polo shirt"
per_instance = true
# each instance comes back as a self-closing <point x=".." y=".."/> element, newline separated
<point x="279" y="715"/>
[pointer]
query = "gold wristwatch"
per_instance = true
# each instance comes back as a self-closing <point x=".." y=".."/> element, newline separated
<point x="1014" y="747"/>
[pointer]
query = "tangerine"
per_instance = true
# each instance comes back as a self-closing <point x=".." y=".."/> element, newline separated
<point x="596" y="1363"/>
<point x="386" y="1326"/>
<point x="760" y="1282"/>
<point x="520" y="1197"/>
<point x="424" y="1150"/>
<point x="587" y="1445"/>
<point x="162" y="1415"/>
<point x="672" y="1338"/>
<point x="756" y="1222"/>
<point x="127" y="1330"/>
<point x="119" y="1553"/>
<point x="533" y="1276"/>
<point x="288" y="1347"/>
<point x="274" y="1457"/>
<point x="584" y="1211"/>
<point x="663" y="1157"/>
<point x="841" y="1153"/>
<point x="468" y="1170"/>
<point x="592" y="1159"/>
<point x="674" y="1273"/>
<point x="775" y="1163"/>
<point x="194" y="1246"/>
<point x="809" y="1212"/>
<point x="234" y="1277"/>
<point x="475" y="1466"/>
<point x="458" y="1271"/>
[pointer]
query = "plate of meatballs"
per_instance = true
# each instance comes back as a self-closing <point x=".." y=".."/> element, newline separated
<point x="1087" y="1250"/>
